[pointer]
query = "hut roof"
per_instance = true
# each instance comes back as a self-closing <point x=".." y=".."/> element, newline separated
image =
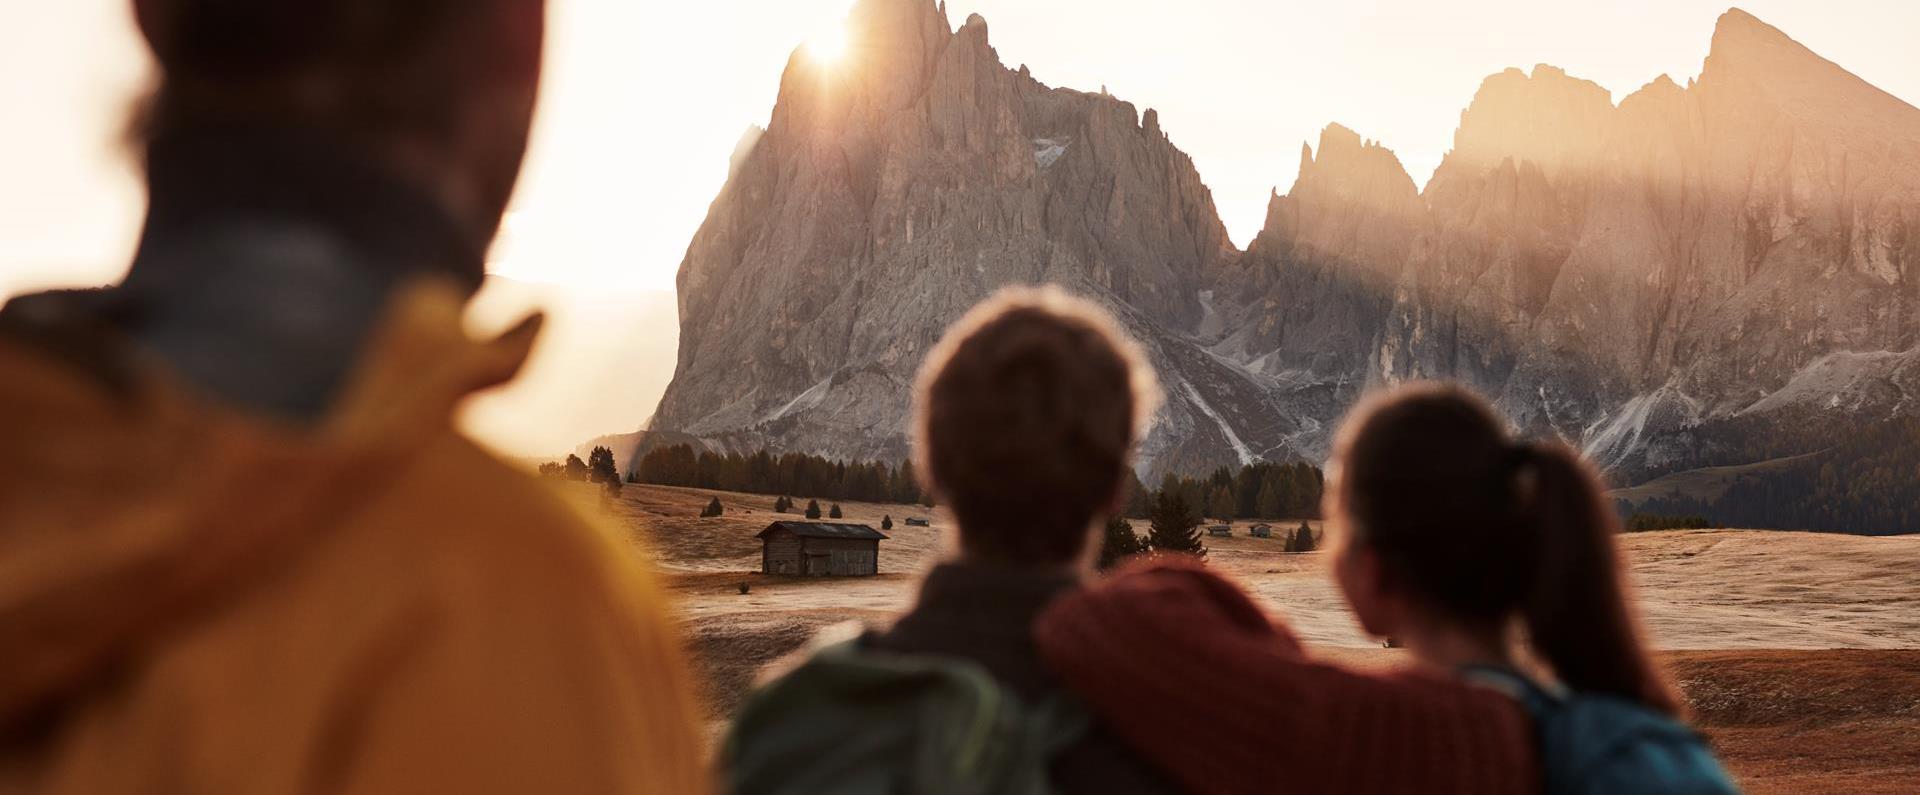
<point x="824" y="530"/>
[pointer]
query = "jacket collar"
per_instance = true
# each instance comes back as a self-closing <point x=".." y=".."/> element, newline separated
<point x="991" y="590"/>
<point x="964" y="603"/>
<point x="91" y="577"/>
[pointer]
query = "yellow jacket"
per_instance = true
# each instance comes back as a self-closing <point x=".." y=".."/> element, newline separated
<point x="196" y="601"/>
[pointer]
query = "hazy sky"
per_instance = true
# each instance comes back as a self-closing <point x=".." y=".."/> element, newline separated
<point x="645" y="100"/>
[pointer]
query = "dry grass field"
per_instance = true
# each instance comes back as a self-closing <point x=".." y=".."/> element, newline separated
<point x="1799" y="653"/>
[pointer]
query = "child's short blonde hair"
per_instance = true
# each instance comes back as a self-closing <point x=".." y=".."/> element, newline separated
<point x="1025" y="417"/>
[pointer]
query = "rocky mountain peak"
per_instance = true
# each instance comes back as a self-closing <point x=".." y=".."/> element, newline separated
<point x="1348" y="168"/>
<point x="1352" y="202"/>
<point x="1547" y="117"/>
<point x="1662" y="86"/>
<point x="899" y="22"/>
<point x="1739" y="33"/>
<point x="1652" y="281"/>
<point x="895" y="188"/>
<point x="1754" y="57"/>
<point x="1757" y="65"/>
<point x="892" y="46"/>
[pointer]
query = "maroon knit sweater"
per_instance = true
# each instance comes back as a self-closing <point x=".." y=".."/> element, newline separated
<point x="1190" y="673"/>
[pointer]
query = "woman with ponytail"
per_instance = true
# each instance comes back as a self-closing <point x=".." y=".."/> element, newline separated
<point x="1483" y="555"/>
<point x="1453" y="536"/>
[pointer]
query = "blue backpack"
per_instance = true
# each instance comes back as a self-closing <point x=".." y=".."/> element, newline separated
<point x="1602" y="745"/>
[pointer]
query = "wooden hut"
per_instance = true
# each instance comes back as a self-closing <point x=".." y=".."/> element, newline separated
<point x="820" y="549"/>
<point x="1220" y="530"/>
<point x="1261" y="531"/>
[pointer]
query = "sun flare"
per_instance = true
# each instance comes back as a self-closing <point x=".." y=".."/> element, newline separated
<point x="829" y="45"/>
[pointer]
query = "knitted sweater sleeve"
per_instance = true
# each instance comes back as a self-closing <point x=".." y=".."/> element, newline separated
<point x="1187" y="670"/>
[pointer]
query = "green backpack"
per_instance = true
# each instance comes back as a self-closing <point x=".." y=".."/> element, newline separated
<point x="859" y="720"/>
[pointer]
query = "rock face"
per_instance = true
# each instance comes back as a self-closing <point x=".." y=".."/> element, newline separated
<point x="1652" y="280"/>
<point x="1641" y="289"/>
<point x="893" y="190"/>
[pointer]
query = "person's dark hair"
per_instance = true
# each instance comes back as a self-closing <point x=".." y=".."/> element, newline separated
<point x="374" y="66"/>
<point x="1026" y="416"/>
<point x="1483" y="526"/>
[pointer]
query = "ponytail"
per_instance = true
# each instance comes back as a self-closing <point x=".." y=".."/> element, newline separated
<point x="1577" y="611"/>
<point x="1484" y="528"/>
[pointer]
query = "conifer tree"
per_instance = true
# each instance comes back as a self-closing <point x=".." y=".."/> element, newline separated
<point x="1174" y="527"/>
<point x="1220" y="504"/>
<point x="813" y="509"/>
<point x="1303" y="539"/>
<point x="1303" y="490"/>
<point x="713" y="508"/>
<point x="1118" y="543"/>
<point x="1272" y="498"/>
<point x="834" y="512"/>
<point x="886" y="522"/>
<point x="600" y="467"/>
<point x="1137" y="495"/>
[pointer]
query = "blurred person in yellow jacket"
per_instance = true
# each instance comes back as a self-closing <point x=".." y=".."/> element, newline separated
<point x="242" y="548"/>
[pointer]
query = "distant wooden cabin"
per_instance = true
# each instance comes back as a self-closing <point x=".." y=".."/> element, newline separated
<point x="820" y="549"/>
<point x="912" y="522"/>
<point x="1220" y="530"/>
<point x="1261" y="531"/>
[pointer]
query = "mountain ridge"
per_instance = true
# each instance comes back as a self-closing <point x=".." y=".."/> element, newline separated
<point x="1613" y="274"/>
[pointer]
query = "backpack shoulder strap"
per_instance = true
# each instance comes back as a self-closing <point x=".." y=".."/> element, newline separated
<point x="1601" y="744"/>
<point x="1540" y="700"/>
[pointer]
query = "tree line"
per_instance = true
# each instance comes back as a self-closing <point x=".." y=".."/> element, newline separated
<point x="789" y="473"/>
<point x="1260" y="490"/>
<point x="1866" y="480"/>
<point x="1174" y="512"/>
<point x="598" y="468"/>
<point x="1641" y="521"/>
<point x="1173" y="527"/>
<point x="1869" y="482"/>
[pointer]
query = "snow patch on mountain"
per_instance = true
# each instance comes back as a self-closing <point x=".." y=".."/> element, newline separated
<point x="1211" y="324"/>
<point x="803" y="401"/>
<point x="1048" y="150"/>
<point x="1847" y="380"/>
<point x="1233" y="439"/>
<point x="1614" y="437"/>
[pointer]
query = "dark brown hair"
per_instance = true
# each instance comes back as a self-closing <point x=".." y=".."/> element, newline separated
<point x="1026" y="415"/>
<point x="373" y="66"/>
<point x="1483" y="526"/>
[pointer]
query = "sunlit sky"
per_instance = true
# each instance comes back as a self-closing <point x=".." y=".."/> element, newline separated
<point x="644" y="101"/>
